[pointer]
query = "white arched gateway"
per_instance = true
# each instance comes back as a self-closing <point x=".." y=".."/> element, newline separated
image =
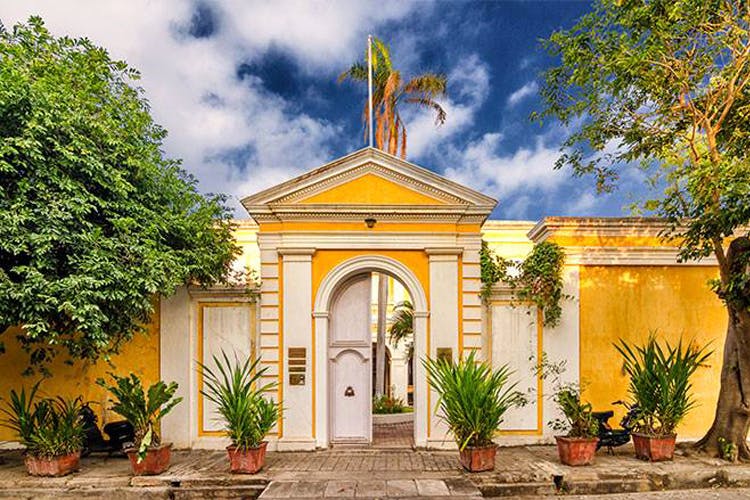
<point x="326" y="394"/>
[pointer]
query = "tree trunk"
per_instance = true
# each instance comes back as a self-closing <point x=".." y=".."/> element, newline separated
<point x="732" y="418"/>
<point x="380" y="348"/>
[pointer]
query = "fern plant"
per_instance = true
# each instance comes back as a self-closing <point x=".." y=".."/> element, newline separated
<point x="234" y="387"/>
<point x="473" y="397"/>
<point x="143" y="409"/>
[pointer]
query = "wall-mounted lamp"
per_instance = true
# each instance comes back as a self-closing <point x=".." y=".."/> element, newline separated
<point x="370" y="221"/>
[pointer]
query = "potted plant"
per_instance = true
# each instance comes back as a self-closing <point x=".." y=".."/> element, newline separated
<point x="144" y="410"/>
<point x="50" y="429"/>
<point x="660" y="387"/>
<point x="473" y="399"/>
<point x="247" y="414"/>
<point x="578" y="445"/>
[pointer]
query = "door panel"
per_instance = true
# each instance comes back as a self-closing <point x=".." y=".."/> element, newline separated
<point x="350" y="361"/>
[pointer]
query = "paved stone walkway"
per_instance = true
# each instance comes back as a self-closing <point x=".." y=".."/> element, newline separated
<point x="373" y="473"/>
<point x="373" y="488"/>
<point x="393" y="435"/>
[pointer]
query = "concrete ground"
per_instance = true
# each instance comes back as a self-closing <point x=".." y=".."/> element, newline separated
<point x="531" y="471"/>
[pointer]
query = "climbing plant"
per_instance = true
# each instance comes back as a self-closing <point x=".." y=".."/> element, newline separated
<point x="537" y="279"/>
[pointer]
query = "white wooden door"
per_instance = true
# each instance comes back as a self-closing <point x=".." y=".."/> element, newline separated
<point x="350" y="353"/>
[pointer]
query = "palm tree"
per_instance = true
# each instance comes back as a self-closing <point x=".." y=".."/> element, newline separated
<point x="402" y="322"/>
<point x="389" y="91"/>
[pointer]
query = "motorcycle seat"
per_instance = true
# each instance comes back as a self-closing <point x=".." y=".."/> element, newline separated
<point x="603" y="415"/>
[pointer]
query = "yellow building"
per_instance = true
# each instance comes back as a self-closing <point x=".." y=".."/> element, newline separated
<point x="315" y="242"/>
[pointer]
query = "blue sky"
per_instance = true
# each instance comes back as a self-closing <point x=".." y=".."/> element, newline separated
<point x="248" y="91"/>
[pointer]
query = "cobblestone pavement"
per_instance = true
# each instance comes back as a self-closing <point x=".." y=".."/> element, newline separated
<point x="393" y="435"/>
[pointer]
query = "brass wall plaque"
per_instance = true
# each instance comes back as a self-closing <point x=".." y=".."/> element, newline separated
<point x="445" y="353"/>
<point x="296" y="369"/>
<point x="297" y="352"/>
<point x="296" y="379"/>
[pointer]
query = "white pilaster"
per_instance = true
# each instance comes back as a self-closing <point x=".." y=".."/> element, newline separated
<point x="297" y="333"/>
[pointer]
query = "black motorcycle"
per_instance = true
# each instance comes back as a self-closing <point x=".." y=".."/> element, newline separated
<point x="610" y="437"/>
<point x="121" y="435"/>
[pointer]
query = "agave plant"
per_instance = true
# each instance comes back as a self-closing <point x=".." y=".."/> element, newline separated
<point x="143" y="409"/>
<point x="233" y="386"/>
<point x="49" y="427"/>
<point x="660" y="382"/>
<point x="473" y="397"/>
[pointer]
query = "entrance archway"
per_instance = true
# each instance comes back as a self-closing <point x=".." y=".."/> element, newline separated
<point x="324" y="299"/>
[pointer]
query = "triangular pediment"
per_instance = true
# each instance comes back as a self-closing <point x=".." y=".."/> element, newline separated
<point x="367" y="181"/>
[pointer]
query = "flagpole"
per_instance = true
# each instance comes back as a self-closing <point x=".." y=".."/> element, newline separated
<point x="369" y="84"/>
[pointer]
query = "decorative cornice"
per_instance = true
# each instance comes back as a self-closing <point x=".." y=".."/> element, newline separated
<point x="444" y="251"/>
<point x="296" y="251"/>
<point x="630" y="256"/>
<point x="596" y="226"/>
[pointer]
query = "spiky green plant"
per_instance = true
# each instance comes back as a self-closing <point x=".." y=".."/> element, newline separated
<point x="143" y="409"/>
<point x="473" y="398"/>
<point x="49" y="427"/>
<point x="660" y="382"/>
<point x="234" y="387"/>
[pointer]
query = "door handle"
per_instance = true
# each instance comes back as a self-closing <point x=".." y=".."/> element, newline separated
<point x="349" y="392"/>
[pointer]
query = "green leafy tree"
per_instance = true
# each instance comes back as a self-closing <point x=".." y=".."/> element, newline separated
<point x="95" y="221"/>
<point x="662" y="85"/>
<point x="389" y="91"/>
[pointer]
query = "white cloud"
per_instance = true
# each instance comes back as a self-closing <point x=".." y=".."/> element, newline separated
<point x="519" y="95"/>
<point x="192" y="84"/>
<point x="482" y="166"/>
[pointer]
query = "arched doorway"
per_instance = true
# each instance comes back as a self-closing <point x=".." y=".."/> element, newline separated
<point x="343" y="348"/>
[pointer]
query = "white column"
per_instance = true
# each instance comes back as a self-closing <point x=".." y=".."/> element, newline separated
<point x="444" y="328"/>
<point x="176" y="364"/>
<point x="297" y="333"/>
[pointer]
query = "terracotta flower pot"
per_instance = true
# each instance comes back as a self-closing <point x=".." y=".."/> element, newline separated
<point x="155" y="462"/>
<point x="248" y="461"/>
<point x="57" y="466"/>
<point x="652" y="448"/>
<point x="576" y="451"/>
<point x="478" y="459"/>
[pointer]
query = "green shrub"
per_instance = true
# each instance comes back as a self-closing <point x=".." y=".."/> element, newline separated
<point x="579" y="421"/>
<point x="660" y="382"/>
<point x="233" y="387"/>
<point x="49" y="427"/>
<point x="143" y="409"/>
<point x="473" y="397"/>
<point x="383" y="405"/>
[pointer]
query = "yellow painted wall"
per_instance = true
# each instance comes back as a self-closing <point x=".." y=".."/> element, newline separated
<point x="630" y="301"/>
<point x="371" y="189"/>
<point x="140" y="356"/>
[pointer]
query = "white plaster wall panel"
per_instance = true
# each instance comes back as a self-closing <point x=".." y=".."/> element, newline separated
<point x="267" y="313"/>
<point x="471" y="298"/>
<point x="268" y="253"/>
<point x="176" y="357"/>
<point x="472" y="341"/>
<point x="563" y="343"/>
<point x="443" y="322"/>
<point x="473" y="313"/>
<point x="269" y="328"/>
<point x="269" y="285"/>
<point x="268" y="341"/>
<point x="225" y="329"/>
<point x="268" y="271"/>
<point x="297" y="325"/>
<point x="269" y="299"/>
<point x="270" y="354"/>
<point x="471" y="271"/>
<point x="472" y="326"/>
<point x="514" y="343"/>
<point x="472" y="285"/>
